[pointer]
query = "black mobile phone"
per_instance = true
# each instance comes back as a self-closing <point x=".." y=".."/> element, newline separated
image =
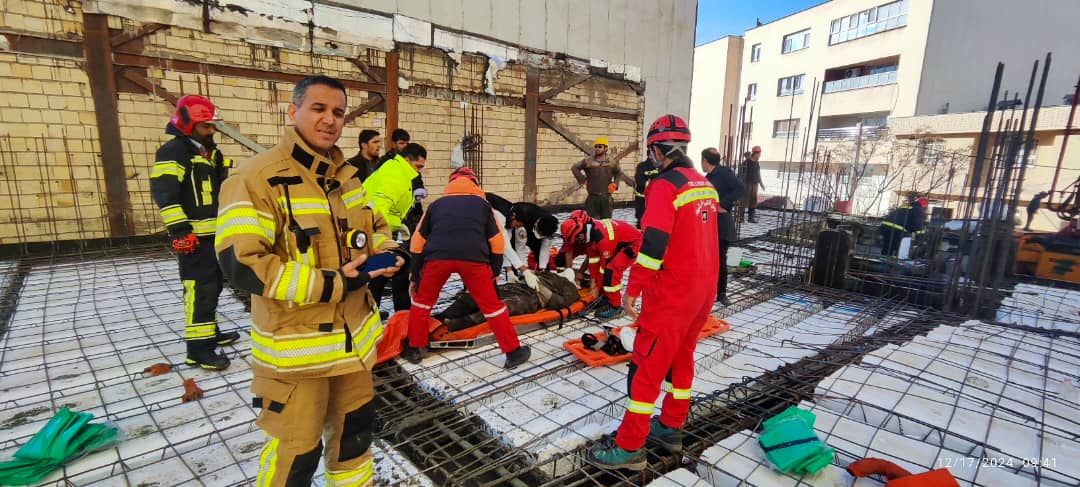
<point x="380" y="261"/>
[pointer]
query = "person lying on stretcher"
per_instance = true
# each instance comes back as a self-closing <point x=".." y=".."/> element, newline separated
<point x="552" y="291"/>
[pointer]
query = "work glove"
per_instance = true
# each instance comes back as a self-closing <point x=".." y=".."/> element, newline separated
<point x="419" y="194"/>
<point x="404" y="234"/>
<point x="186" y="244"/>
<point x="530" y="279"/>
<point x="612" y="187"/>
<point x="512" y="276"/>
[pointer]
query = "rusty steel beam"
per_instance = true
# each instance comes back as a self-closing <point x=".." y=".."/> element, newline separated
<point x="532" y="122"/>
<point x="149" y="86"/>
<point x="143" y="61"/>
<point x="42" y="46"/>
<point x="128" y="36"/>
<point x="99" y="70"/>
<point x="377" y="75"/>
<point x="590" y="111"/>
<point x="566" y="84"/>
<point x="369" y="105"/>
<point x="549" y="120"/>
<point x="390" y="89"/>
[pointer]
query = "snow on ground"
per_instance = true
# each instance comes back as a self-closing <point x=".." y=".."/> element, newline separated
<point x="1043" y="307"/>
<point x="995" y="406"/>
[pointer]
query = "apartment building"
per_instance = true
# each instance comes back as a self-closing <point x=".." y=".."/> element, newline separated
<point x="871" y="60"/>
<point x="714" y="108"/>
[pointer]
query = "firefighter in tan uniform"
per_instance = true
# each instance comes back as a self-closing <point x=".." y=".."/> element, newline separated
<point x="294" y="228"/>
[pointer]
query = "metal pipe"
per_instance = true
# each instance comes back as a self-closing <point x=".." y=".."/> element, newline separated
<point x="1064" y="143"/>
<point x="980" y="155"/>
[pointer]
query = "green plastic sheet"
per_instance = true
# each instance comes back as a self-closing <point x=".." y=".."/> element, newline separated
<point x="791" y="445"/>
<point x="67" y="436"/>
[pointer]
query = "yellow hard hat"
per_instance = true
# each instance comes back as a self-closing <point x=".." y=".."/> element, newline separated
<point x="601" y="141"/>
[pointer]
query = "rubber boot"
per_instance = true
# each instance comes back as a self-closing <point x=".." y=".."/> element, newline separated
<point x="517" y="357"/>
<point x="615" y="458"/>
<point x="412" y="354"/>
<point x="670" y="439"/>
<point x="200" y="353"/>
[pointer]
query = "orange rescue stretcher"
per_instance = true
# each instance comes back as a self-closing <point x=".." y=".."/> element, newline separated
<point x="599" y="358"/>
<point x="397" y="329"/>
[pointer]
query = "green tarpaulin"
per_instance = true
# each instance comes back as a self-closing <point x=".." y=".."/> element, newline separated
<point x="68" y="435"/>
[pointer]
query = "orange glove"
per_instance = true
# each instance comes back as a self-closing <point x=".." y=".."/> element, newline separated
<point x="612" y="187"/>
<point x="186" y="244"/>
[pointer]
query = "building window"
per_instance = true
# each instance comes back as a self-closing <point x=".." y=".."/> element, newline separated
<point x="755" y="53"/>
<point x="792" y="85"/>
<point x="784" y="129"/>
<point x="747" y="129"/>
<point x="868" y="22"/>
<point x="930" y="152"/>
<point x="797" y="41"/>
<point x="751" y="91"/>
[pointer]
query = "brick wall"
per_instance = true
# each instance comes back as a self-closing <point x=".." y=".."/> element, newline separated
<point x="51" y="184"/>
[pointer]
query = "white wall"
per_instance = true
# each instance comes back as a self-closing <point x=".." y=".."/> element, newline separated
<point x="968" y="37"/>
<point x="714" y="89"/>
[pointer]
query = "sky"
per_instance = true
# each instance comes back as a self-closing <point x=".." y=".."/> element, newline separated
<point x="718" y="18"/>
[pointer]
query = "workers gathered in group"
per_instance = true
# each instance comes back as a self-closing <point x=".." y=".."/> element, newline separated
<point x="185" y="182"/>
<point x="673" y="277"/>
<point x="315" y="237"/>
<point x="610" y="247"/>
<point x="600" y="176"/>
<point x="295" y="228"/>
<point x="458" y="235"/>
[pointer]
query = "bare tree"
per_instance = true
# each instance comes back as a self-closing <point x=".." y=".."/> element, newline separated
<point x="918" y="164"/>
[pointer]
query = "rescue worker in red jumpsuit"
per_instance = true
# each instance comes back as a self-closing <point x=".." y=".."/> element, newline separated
<point x="674" y="276"/>
<point x="185" y="183"/>
<point x="610" y="247"/>
<point x="458" y="235"/>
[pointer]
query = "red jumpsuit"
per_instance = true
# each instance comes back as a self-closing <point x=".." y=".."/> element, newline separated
<point x="675" y="273"/>
<point x="612" y="255"/>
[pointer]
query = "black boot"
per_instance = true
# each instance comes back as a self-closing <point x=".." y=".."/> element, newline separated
<point x="226" y="338"/>
<point x="517" y="357"/>
<point x="201" y="353"/>
<point x="412" y="354"/>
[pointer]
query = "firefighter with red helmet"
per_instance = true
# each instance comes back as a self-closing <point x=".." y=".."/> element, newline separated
<point x="610" y="247"/>
<point x="185" y="182"/>
<point x="674" y="276"/>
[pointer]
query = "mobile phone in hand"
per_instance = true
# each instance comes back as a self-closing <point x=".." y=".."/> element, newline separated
<point x="380" y="261"/>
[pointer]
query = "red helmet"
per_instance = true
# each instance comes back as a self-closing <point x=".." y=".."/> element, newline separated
<point x="192" y="110"/>
<point x="668" y="129"/>
<point x="464" y="172"/>
<point x="574" y="225"/>
<point x="923" y="202"/>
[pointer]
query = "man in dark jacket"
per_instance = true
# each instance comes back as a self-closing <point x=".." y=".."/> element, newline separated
<point x="185" y="183"/>
<point x="750" y="174"/>
<point x="529" y="222"/>
<point x="367" y="160"/>
<point x="643" y="173"/>
<point x="458" y="235"/>
<point x="904" y="219"/>
<point x="730" y="190"/>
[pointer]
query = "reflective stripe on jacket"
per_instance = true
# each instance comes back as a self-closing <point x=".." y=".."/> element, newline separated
<point x="289" y="220"/>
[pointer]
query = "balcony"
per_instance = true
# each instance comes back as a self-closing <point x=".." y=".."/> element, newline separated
<point x="860" y="82"/>
<point x="849" y="133"/>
